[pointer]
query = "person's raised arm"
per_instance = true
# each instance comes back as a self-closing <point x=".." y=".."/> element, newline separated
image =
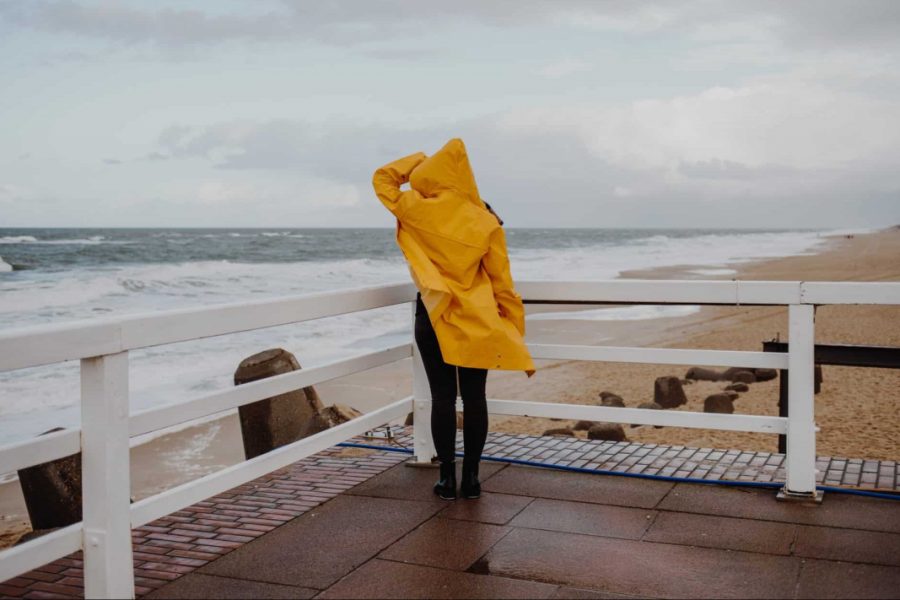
<point x="496" y="263"/>
<point x="388" y="179"/>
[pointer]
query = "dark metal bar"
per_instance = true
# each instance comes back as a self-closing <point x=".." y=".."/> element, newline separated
<point x="847" y="355"/>
<point x="782" y="406"/>
<point x="883" y="357"/>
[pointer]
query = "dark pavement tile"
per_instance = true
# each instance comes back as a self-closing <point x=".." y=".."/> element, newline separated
<point x="208" y="586"/>
<point x="827" y="579"/>
<point x="490" y="508"/>
<point x="323" y="545"/>
<point x="639" y="568"/>
<point x="445" y="543"/>
<point x="387" y="579"/>
<point x="722" y="532"/>
<point x="561" y="485"/>
<point x="836" y="510"/>
<point x="413" y="483"/>
<point x="849" y="545"/>
<point x="580" y="517"/>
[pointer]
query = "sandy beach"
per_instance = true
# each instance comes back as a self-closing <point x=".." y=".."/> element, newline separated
<point x="856" y="410"/>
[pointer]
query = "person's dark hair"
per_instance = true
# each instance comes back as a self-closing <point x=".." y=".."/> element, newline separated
<point x="491" y="210"/>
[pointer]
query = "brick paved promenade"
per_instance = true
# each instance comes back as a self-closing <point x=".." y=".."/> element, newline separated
<point x="190" y="539"/>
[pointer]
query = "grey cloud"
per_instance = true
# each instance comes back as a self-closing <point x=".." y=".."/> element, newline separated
<point x="727" y="169"/>
<point x="858" y="22"/>
<point x="112" y="161"/>
<point x="538" y="179"/>
<point x="125" y="24"/>
<point x="355" y="22"/>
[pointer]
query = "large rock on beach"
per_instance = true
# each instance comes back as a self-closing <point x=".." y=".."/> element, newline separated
<point x="765" y="374"/>
<point x="338" y="413"/>
<point x="612" y="400"/>
<point x="737" y="387"/>
<point x="742" y="376"/>
<point x="52" y="491"/>
<point x="702" y="374"/>
<point x="274" y="422"/>
<point x="728" y="373"/>
<point x="564" y="431"/>
<point x="649" y="406"/>
<point x="584" y="425"/>
<point x="613" y="432"/>
<point x="668" y="393"/>
<point x="719" y="403"/>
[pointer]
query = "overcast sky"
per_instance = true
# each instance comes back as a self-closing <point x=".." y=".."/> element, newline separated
<point x="576" y="113"/>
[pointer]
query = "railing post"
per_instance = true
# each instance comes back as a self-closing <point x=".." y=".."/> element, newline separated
<point x="801" y="427"/>
<point x="423" y="444"/>
<point x="106" y="478"/>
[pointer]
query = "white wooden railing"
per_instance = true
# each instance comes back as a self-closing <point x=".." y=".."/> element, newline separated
<point x="102" y="346"/>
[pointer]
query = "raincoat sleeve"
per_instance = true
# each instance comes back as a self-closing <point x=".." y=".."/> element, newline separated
<point x="388" y="179"/>
<point x="496" y="263"/>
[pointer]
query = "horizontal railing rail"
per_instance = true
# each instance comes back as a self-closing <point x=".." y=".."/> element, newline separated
<point x="701" y="292"/>
<point x="46" y="344"/>
<point x="102" y="346"/>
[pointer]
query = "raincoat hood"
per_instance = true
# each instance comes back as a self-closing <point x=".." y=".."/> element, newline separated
<point x="448" y="170"/>
<point x="457" y="257"/>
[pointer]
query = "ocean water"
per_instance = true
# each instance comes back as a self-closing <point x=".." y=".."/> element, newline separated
<point x="59" y="275"/>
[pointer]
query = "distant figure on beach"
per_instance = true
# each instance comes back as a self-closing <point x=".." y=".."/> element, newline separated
<point x="469" y="317"/>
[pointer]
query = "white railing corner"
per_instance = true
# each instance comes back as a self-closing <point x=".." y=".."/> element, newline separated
<point x="105" y="474"/>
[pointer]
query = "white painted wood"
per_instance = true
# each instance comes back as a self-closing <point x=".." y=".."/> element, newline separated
<point x="800" y="461"/>
<point x="423" y="442"/>
<point x="39" y="450"/>
<point x="47" y="548"/>
<point x="33" y="346"/>
<point x="177" y="498"/>
<point x="40" y="345"/>
<point x="105" y="475"/>
<point x="663" y="356"/>
<point x="845" y="292"/>
<point x="611" y="414"/>
<point x="45" y="344"/>
<point x="182" y="412"/>
<point x="218" y="320"/>
<point x="662" y="291"/>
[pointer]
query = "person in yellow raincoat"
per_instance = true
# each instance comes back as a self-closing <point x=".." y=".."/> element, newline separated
<point x="469" y="317"/>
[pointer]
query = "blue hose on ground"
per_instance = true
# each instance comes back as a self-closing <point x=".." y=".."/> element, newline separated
<point x="727" y="483"/>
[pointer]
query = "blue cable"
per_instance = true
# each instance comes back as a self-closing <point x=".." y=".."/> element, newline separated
<point x="727" y="483"/>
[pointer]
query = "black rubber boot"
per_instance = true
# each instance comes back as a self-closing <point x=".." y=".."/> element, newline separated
<point x="470" y="487"/>
<point x="446" y="485"/>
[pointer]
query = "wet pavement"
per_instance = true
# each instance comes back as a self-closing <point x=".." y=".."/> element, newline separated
<point x="537" y="533"/>
<point x="350" y="522"/>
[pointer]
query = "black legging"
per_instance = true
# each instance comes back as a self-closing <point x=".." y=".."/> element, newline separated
<point x="442" y="381"/>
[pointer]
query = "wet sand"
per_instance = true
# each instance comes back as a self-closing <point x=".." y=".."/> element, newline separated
<point x="856" y="411"/>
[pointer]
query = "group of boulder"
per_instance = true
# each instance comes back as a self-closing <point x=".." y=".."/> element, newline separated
<point x="668" y="392"/>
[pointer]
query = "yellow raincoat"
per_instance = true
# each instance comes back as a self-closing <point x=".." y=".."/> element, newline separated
<point x="456" y="251"/>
